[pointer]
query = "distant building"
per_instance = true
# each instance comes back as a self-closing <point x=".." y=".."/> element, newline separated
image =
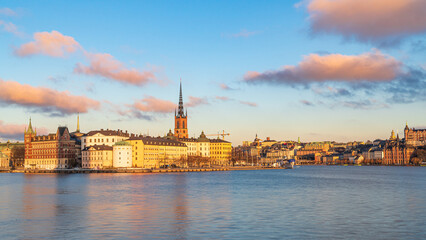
<point x="181" y="119"/>
<point x="103" y="137"/>
<point x="197" y="146"/>
<point x="150" y="152"/>
<point x="396" y="152"/>
<point x="415" y="137"/>
<point x="15" y="152"/>
<point x="97" y="157"/>
<point x="77" y="135"/>
<point x="220" y="152"/>
<point x="122" y="155"/>
<point x="56" y="150"/>
<point x="4" y="161"/>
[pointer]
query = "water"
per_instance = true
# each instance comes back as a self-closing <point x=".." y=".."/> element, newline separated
<point x="310" y="202"/>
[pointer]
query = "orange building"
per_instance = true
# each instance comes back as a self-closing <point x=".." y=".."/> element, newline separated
<point x="181" y="120"/>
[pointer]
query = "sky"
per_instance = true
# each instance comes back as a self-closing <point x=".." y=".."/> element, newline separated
<point x="321" y="70"/>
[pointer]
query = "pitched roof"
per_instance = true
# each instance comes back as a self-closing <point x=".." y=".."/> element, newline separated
<point x="158" y="141"/>
<point x="99" y="148"/>
<point x="108" y="133"/>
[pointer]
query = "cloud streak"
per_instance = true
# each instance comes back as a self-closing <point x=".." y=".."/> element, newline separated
<point x="7" y="12"/>
<point x="226" y="87"/>
<point x="152" y="104"/>
<point x="244" y="33"/>
<point x="53" y="44"/>
<point x="250" y="104"/>
<point x="196" y="101"/>
<point x="378" y="21"/>
<point x="16" y="131"/>
<point x="11" y="28"/>
<point x="105" y="65"/>
<point x="46" y="99"/>
<point x="370" y="67"/>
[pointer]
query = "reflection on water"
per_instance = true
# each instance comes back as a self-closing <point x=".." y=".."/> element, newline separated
<point x="309" y="202"/>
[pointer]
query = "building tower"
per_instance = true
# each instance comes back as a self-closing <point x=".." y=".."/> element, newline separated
<point x="28" y="135"/>
<point x="181" y="123"/>
<point x="78" y="123"/>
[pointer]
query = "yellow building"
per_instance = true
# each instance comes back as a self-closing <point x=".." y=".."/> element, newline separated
<point x="220" y="152"/>
<point x="97" y="157"/>
<point x="150" y="152"/>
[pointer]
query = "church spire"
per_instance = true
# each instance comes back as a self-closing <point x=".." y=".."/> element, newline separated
<point x="30" y="128"/>
<point x="78" y="122"/>
<point x="180" y="110"/>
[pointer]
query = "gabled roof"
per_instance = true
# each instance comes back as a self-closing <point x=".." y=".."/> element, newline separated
<point x="158" y="141"/>
<point x="108" y="133"/>
<point x="98" y="148"/>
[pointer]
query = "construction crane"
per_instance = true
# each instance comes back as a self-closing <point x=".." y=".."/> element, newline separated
<point x="223" y="134"/>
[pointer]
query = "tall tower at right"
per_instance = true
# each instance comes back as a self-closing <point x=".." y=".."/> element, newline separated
<point x="181" y="120"/>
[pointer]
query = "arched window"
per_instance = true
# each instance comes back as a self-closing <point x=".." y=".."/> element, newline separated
<point x="177" y="124"/>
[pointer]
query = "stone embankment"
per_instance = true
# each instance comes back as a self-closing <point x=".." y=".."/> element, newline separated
<point x="124" y="170"/>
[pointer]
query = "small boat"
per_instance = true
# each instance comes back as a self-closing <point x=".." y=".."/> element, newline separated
<point x="289" y="164"/>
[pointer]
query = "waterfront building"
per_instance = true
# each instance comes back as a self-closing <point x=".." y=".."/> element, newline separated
<point x="52" y="151"/>
<point x="103" y="137"/>
<point x="181" y="118"/>
<point x="4" y="161"/>
<point x="220" y="152"/>
<point x="312" y="148"/>
<point x="150" y="152"/>
<point x="97" y="157"/>
<point x="396" y="151"/>
<point x="77" y="135"/>
<point x="15" y="153"/>
<point x="122" y="155"/>
<point x="414" y="137"/>
<point x="199" y="147"/>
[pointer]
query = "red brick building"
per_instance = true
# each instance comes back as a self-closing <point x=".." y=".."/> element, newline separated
<point x="397" y="152"/>
<point x="53" y="151"/>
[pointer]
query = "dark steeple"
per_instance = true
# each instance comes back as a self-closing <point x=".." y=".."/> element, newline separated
<point x="180" y="109"/>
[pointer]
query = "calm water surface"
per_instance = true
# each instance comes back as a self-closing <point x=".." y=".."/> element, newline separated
<point x="310" y="202"/>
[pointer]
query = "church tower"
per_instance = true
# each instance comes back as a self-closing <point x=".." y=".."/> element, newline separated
<point x="28" y="135"/>
<point x="181" y="123"/>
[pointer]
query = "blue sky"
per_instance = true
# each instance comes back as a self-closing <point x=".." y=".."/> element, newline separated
<point x="209" y="43"/>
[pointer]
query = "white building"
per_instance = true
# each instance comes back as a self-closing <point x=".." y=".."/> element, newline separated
<point x="103" y="137"/>
<point x="122" y="155"/>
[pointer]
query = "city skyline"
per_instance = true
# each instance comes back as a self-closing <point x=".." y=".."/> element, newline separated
<point x="279" y="70"/>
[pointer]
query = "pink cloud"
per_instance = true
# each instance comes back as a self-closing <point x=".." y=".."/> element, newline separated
<point x="224" y="86"/>
<point x="196" y="101"/>
<point x="52" y="44"/>
<point x="372" y="66"/>
<point x="251" y="104"/>
<point x="105" y="65"/>
<point x="368" y="20"/>
<point x="223" y="98"/>
<point x="16" y="131"/>
<point x="10" y="27"/>
<point x="48" y="99"/>
<point x="7" y="12"/>
<point x="152" y="104"/>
